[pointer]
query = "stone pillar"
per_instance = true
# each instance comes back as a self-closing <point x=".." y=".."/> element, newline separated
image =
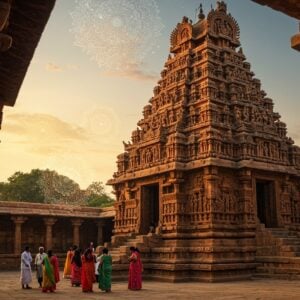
<point x="100" y="225"/>
<point x="49" y="222"/>
<point x="76" y="235"/>
<point x="18" y="220"/>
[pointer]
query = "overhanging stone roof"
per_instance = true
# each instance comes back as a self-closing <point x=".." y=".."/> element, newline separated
<point x="55" y="210"/>
<point x="288" y="7"/>
<point x="27" y="21"/>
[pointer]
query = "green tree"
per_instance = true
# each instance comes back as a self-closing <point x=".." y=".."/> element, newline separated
<point x="96" y="195"/>
<point x="47" y="186"/>
<point x="60" y="189"/>
<point x="22" y="187"/>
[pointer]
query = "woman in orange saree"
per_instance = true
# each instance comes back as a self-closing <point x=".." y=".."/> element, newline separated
<point x="88" y="271"/>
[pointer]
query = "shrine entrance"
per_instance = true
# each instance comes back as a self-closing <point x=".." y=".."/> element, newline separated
<point x="266" y="203"/>
<point x="149" y="208"/>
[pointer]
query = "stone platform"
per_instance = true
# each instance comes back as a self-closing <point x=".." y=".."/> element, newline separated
<point x="259" y="289"/>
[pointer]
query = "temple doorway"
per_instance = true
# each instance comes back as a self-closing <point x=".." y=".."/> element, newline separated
<point x="266" y="203"/>
<point x="149" y="208"/>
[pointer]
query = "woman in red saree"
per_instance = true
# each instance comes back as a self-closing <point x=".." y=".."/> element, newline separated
<point x="76" y="268"/>
<point x="88" y="271"/>
<point x="135" y="270"/>
<point x="50" y="272"/>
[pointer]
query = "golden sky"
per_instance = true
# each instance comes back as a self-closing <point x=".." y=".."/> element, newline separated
<point x="93" y="72"/>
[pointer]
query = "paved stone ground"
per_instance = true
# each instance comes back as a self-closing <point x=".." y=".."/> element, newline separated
<point x="259" y="289"/>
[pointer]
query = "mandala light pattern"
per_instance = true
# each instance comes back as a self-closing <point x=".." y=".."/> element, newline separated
<point x="117" y="34"/>
<point x="101" y="122"/>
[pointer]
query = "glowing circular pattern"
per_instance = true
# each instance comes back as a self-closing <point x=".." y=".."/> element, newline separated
<point x="117" y="34"/>
<point x="101" y="122"/>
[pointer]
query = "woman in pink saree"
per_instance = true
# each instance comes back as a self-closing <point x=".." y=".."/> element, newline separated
<point x="135" y="270"/>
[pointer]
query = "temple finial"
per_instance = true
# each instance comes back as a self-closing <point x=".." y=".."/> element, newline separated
<point x="201" y="15"/>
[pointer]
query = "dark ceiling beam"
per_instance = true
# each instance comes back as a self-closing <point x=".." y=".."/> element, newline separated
<point x="288" y="7"/>
<point x="26" y="24"/>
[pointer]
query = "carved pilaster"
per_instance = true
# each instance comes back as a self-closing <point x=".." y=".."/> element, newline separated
<point x="211" y="187"/>
<point x="18" y="220"/>
<point x="246" y="198"/>
<point x="285" y="202"/>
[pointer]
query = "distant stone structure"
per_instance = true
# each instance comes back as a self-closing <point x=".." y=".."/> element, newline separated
<point x="209" y="168"/>
<point x="53" y="226"/>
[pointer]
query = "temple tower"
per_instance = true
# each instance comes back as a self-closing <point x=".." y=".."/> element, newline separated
<point x="209" y="160"/>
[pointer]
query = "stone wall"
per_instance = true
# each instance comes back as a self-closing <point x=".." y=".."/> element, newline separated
<point x="55" y="227"/>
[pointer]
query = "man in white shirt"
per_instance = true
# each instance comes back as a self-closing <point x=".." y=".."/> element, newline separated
<point x="26" y="260"/>
<point x="39" y="266"/>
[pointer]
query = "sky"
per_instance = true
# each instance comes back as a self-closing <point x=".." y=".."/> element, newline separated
<point x="95" y="69"/>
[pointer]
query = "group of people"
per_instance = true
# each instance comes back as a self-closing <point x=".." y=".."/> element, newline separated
<point x="83" y="269"/>
<point x="47" y="271"/>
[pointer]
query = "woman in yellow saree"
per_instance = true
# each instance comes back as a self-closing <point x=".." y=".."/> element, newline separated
<point x="67" y="267"/>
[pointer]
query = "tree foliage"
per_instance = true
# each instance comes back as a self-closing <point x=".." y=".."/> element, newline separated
<point x="96" y="195"/>
<point x="22" y="187"/>
<point x="46" y="186"/>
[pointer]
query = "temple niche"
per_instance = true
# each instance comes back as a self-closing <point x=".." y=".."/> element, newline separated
<point x="210" y="161"/>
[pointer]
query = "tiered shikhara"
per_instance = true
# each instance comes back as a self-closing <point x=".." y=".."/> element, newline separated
<point x="212" y="154"/>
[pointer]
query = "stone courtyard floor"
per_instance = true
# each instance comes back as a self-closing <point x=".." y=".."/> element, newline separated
<point x="258" y="289"/>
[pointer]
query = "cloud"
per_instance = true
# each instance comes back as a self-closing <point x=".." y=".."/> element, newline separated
<point x="51" y="67"/>
<point x="72" y="67"/>
<point x="134" y="72"/>
<point x="44" y="134"/>
<point x="85" y="152"/>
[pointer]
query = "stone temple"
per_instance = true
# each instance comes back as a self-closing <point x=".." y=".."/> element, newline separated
<point x="208" y="187"/>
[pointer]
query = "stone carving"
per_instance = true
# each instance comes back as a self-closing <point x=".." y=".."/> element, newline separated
<point x="209" y="148"/>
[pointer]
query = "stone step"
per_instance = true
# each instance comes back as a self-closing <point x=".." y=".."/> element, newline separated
<point x="277" y="276"/>
<point x="278" y="259"/>
<point x="289" y="241"/>
<point x="284" y="234"/>
<point x="278" y="265"/>
<point x="275" y="270"/>
<point x="289" y="254"/>
<point x="295" y="248"/>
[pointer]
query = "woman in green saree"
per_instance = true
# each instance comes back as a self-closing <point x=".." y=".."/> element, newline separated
<point x="50" y="272"/>
<point x="105" y="269"/>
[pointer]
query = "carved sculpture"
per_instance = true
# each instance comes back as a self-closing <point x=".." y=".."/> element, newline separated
<point x="223" y="152"/>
